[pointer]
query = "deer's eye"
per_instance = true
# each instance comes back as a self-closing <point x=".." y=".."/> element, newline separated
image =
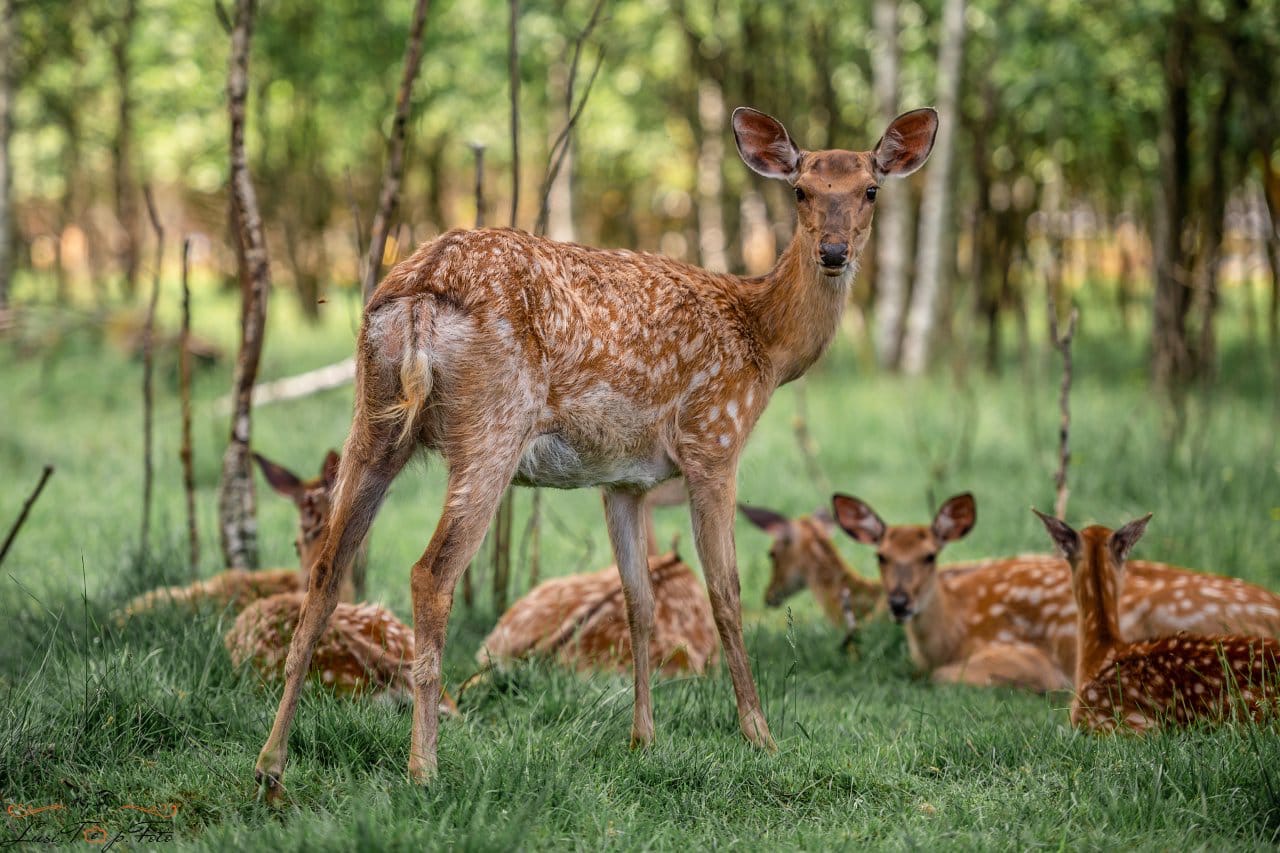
<point x="881" y="559"/>
<point x="871" y="193"/>
<point x="800" y="196"/>
<point x="930" y="559"/>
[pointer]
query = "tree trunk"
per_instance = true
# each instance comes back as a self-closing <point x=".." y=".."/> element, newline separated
<point x="560" y="193"/>
<point x="931" y="269"/>
<point x="1206" y="297"/>
<point x="121" y="151"/>
<point x="892" y="227"/>
<point x="393" y="172"/>
<point x="236" y="502"/>
<point x="6" y="125"/>
<point x="711" y="121"/>
<point x="1271" y="194"/>
<point x="1170" y="356"/>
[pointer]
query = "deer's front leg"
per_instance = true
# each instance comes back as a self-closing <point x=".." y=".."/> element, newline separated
<point x="711" y="503"/>
<point x="623" y="513"/>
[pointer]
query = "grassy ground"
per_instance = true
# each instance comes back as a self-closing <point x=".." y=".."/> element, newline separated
<point x="97" y="719"/>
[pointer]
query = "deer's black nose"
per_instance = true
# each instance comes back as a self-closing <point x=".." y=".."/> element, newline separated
<point x="833" y="254"/>
<point x="900" y="605"/>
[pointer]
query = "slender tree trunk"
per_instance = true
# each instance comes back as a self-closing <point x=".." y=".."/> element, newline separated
<point x="893" y="214"/>
<point x="1271" y="195"/>
<point x="237" y="510"/>
<point x="1206" y="297"/>
<point x="560" y="192"/>
<point x="935" y="208"/>
<point x="711" y="231"/>
<point x="6" y="127"/>
<point x="393" y="171"/>
<point x="122" y="149"/>
<point x="1170" y="358"/>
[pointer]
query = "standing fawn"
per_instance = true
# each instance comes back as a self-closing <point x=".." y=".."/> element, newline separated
<point x="580" y="622"/>
<point x="523" y="360"/>
<point x="1011" y="620"/>
<point x="803" y="555"/>
<point x="1171" y="681"/>
<point x="235" y="589"/>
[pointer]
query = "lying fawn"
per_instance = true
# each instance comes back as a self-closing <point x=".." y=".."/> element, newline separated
<point x="803" y="555"/>
<point x="235" y="589"/>
<point x="364" y="649"/>
<point x="1012" y="620"/>
<point x="523" y="360"/>
<point x="580" y="622"/>
<point x="1171" y="681"/>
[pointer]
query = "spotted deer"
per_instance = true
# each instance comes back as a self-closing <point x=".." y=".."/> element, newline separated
<point x="1011" y="620"/>
<point x="519" y="359"/>
<point x="580" y="622"/>
<point x="364" y="650"/>
<point x="802" y="554"/>
<point x="1170" y="681"/>
<point x="235" y="589"/>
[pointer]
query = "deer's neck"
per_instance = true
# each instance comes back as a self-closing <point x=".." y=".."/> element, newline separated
<point x="1097" y="623"/>
<point x="830" y="576"/>
<point x="936" y="633"/>
<point x="797" y="308"/>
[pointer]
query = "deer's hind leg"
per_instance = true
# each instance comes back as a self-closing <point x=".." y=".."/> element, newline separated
<point x="475" y="487"/>
<point x="375" y="452"/>
<point x="1020" y="665"/>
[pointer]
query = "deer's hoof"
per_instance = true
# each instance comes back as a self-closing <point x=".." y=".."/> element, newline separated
<point x="756" y="731"/>
<point x="269" y="787"/>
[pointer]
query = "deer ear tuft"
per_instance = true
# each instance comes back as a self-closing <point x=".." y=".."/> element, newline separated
<point x="765" y="145"/>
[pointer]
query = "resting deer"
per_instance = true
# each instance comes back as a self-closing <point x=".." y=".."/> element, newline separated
<point x="364" y="649"/>
<point x="803" y="555"/>
<point x="235" y="589"/>
<point x="1011" y="620"/>
<point x="523" y="360"/>
<point x="580" y="622"/>
<point x="1171" y="681"/>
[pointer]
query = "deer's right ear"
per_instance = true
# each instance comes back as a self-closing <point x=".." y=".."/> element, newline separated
<point x="329" y="470"/>
<point x="770" y="522"/>
<point x="1062" y="534"/>
<point x="1123" y="540"/>
<point x="906" y="143"/>
<point x="955" y="518"/>
<point x="858" y="519"/>
<point x="280" y="478"/>
<point x="765" y="145"/>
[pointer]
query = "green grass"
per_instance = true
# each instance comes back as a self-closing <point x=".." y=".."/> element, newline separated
<point x="870" y="753"/>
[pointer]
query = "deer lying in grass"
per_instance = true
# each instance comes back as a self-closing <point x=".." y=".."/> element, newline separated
<point x="519" y="359"/>
<point x="1011" y="621"/>
<point x="235" y="589"/>
<point x="580" y="622"/>
<point x="1170" y="681"/>
<point x="803" y="555"/>
<point x="364" y="649"/>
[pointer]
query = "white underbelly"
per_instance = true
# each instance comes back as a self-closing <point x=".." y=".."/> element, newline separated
<point x="549" y="461"/>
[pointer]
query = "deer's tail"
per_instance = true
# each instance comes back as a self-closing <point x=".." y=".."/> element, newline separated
<point x="415" y="379"/>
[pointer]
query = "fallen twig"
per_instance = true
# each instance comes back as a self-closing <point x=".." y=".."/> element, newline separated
<point x="26" y="508"/>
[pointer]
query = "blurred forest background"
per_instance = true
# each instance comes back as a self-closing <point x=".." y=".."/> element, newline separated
<point x="1131" y="147"/>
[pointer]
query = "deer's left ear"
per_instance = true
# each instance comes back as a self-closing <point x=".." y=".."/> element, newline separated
<point x="906" y="143"/>
<point x="1063" y="535"/>
<point x="329" y="470"/>
<point x="765" y="145"/>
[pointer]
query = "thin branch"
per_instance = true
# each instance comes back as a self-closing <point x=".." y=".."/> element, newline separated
<point x="184" y="389"/>
<point x="804" y="440"/>
<point x="1062" y="343"/>
<point x="477" y="148"/>
<point x="26" y="508"/>
<point x="148" y="374"/>
<point x="513" y="75"/>
<point x="389" y="197"/>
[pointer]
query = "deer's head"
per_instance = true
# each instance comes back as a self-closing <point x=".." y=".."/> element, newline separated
<point x="311" y="497"/>
<point x="907" y="553"/>
<point x="835" y="190"/>
<point x="1097" y="557"/>
<point x="797" y="546"/>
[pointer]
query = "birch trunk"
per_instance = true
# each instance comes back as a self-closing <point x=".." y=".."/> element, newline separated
<point x="893" y="215"/>
<point x="711" y="120"/>
<point x="6" y="123"/>
<point x="237" y="509"/>
<point x="931" y="271"/>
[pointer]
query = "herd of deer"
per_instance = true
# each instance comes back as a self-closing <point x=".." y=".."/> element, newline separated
<point x="519" y="359"/>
